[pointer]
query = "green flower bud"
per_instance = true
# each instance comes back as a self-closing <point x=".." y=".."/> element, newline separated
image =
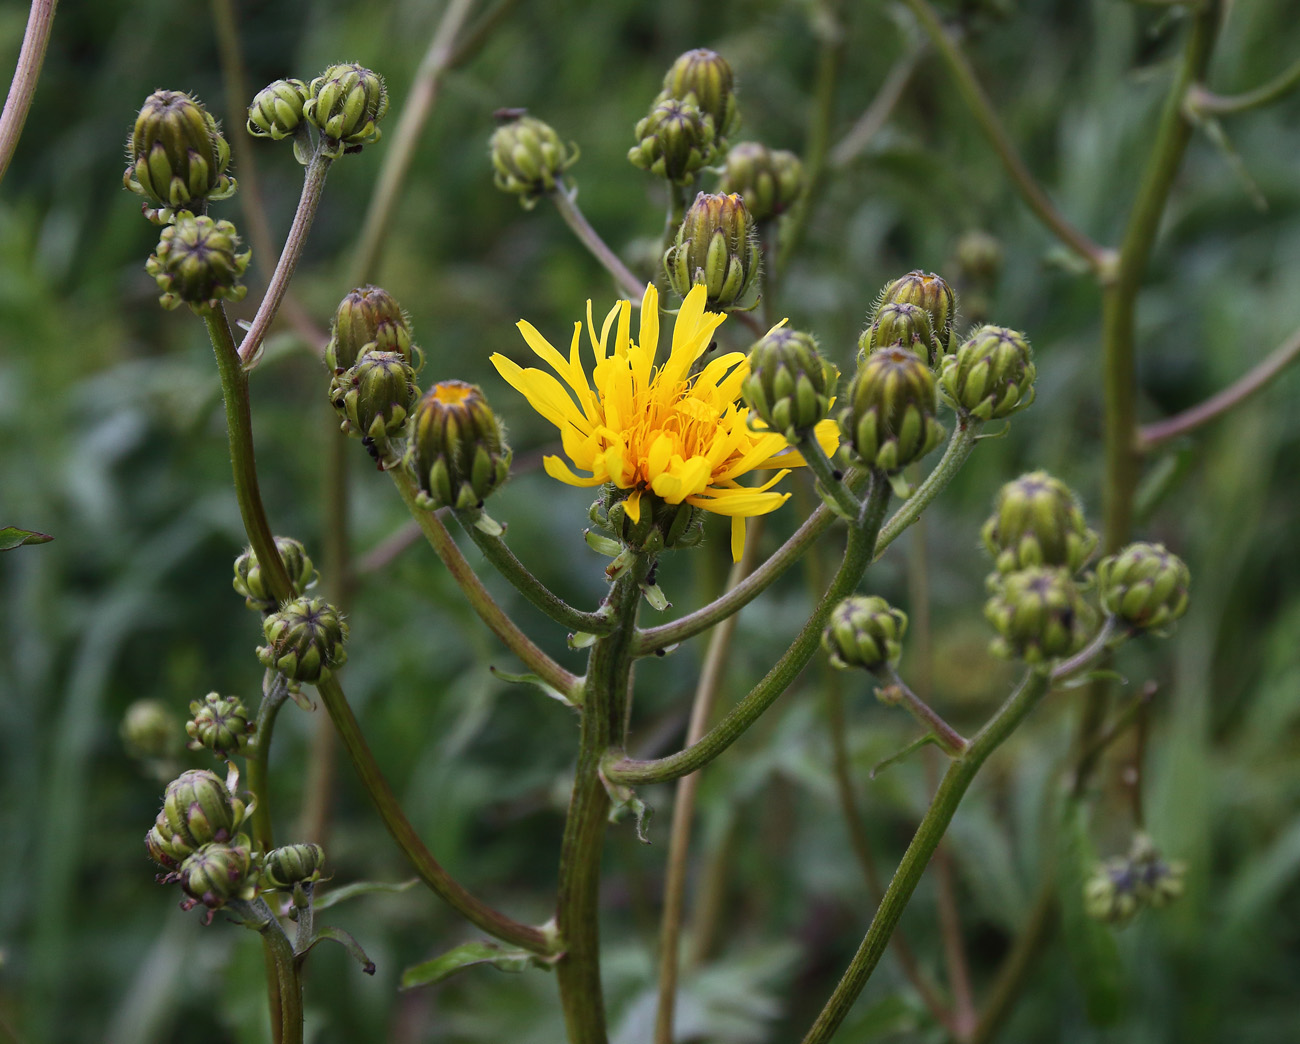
<point x="368" y="317"/>
<point x="528" y="157"/>
<point x="197" y="808"/>
<point x="1037" y="521"/>
<point x="276" y="111"/>
<point x="457" y="449"/>
<point x="345" y="103"/>
<point x="705" y="77"/>
<point x="198" y="261"/>
<point x="675" y="141"/>
<point x="1039" y="615"/>
<point x="789" y="385"/>
<point x="930" y="292"/>
<point x="1145" y="585"/>
<point x="769" y="180"/>
<point x="304" y="640"/>
<point x="219" y="872"/>
<point x="176" y="157"/>
<point x="375" y="397"/>
<point x="291" y="865"/>
<point x="1111" y="895"/>
<point x="716" y="246"/>
<point x="150" y="731"/>
<point x="991" y="375"/>
<point x="902" y="324"/>
<point x="979" y="256"/>
<point x="659" y="526"/>
<point x="865" y="631"/>
<point x="889" y="419"/>
<point x="248" y="573"/>
<point x="1159" y="881"/>
<point x="219" y="723"/>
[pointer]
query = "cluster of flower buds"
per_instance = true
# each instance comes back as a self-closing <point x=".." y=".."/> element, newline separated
<point x="789" y="385"/>
<point x="304" y="640"/>
<point x="249" y="582"/>
<point x="276" y="112"/>
<point x="368" y="319"/>
<point x="198" y="809"/>
<point x="865" y="631"/>
<point x="990" y="376"/>
<point x="457" y="449"/>
<point x="220" y="724"/>
<point x="1040" y="614"/>
<point x="770" y="181"/>
<point x="218" y="872"/>
<point x="345" y="103"/>
<point x="197" y="262"/>
<point x="1145" y="586"/>
<point x="176" y="157"/>
<point x="715" y="246"/>
<point x="915" y="311"/>
<point x="1037" y="521"/>
<point x="688" y="123"/>
<point x="528" y="157"/>
<point x="1121" y="886"/>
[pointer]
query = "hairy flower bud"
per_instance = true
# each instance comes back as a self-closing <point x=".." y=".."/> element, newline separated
<point x="345" y="103"/>
<point x="659" y="526"/>
<point x="705" y="77"/>
<point x="219" y="872"/>
<point x="864" y="631"/>
<point x="716" y="246"/>
<point x="276" y="111"/>
<point x="291" y="865"/>
<point x="219" y="723"/>
<point x="902" y="324"/>
<point x="675" y="140"/>
<point x="457" y="449"/>
<point x="1145" y="585"/>
<point x="789" y="385"/>
<point x="368" y="317"/>
<point x="528" y="157"/>
<point x="1037" y="521"/>
<point x="991" y="375"/>
<point x="1039" y="615"/>
<point x="197" y="261"/>
<point x="928" y="291"/>
<point x="769" y="180"/>
<point x="176" y="157"/>
<point x="150" y="731"/>
<point x="304" y="640"/>
<point x="375" y="397"/>
<point x="248" y="573"/>
<point x="197" y="808"/>
<point x="889" y="419"/>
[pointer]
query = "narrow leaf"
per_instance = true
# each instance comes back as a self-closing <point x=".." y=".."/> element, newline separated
<point x="532" y="679"/>
<point x="12" y="536"/>
<point x="468" y="956"/>
<point x="348" y="943"/>
<point x="339" y="895"/>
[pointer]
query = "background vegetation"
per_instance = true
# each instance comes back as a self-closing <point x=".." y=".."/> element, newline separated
<point x="113" y="442"/>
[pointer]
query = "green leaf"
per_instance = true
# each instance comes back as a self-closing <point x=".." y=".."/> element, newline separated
<point x="453" y="961"/>
<point x="12" y="536"/>
<point x="1094" y="954"/>
<point x="532" y="679"/>
<point x="339" y="895"/>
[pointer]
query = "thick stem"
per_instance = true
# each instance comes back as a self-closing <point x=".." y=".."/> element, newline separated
<point x="283" y="972"/>
<point x="566" y="202"/>
<point x="578" y="902"/>
<point x="312" y="186"/>
<point x="857" y="556"/>
<point x="274" y="693"/>
<point x="23" y="86"/>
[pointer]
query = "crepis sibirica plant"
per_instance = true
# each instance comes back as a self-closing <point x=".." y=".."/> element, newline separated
<point x="688" y="396"/>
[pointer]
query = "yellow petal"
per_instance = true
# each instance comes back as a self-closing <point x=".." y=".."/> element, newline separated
<point x="557" y="469"/>
<point x="632" y="505"/>
<point x="738" y="525"/>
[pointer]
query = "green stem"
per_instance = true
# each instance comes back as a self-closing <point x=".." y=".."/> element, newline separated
<point x="313" y="185"/>
<point x="430" y="871"/>
<point x="963" y="440"/>
<point x="882" y="106"/>
<point x="857" y="556"/>
<point x="953" y="743"/>
<point x="1098" y="258"/>
<point x="566" y="202"/>
<point x="495" y="551"/>
<point x="496" y="618"/>
<point x="577" y="915"/>
<point x="1205" y="101"/>
<point x="22" y="87"/>
<point x="830" y="479"/>
<point x="282" y="967"/>
<point x="274" y="693"/>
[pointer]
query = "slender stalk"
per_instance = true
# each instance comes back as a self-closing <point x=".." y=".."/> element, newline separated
<point x="312" y="186"/>
<point x="679" y="838"/>
<point x="1204" y="101"/>
<point x="1256" y="379"/>
<point x="857" y="557"/>
<point x="22" y="88"/>
<point x="286" y="1017"/>
<point x="497" y="620"/>
<point x="566" y="202"/>
<point x="963" y="440"/>
<point x="400" y="149"/>
<point x="897" y="691"/>
<point x="964" y="1015"/>
<point x="968" y="86"/>
<point x="495" y="551"/>
<point x="829" y="478"/>
<point x="1016" y="966"/>
<point x="877" y="114"/>
<point x="274" y="693"/>
<point x="577" y="915"/>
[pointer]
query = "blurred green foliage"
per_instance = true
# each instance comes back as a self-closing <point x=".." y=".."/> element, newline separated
<point x="113" y="442"/>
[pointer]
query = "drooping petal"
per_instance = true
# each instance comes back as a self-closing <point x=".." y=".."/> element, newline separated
<point x="557" y="469"/>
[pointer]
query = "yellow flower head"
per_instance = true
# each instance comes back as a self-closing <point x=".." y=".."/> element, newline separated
<point x="657" y="429"/>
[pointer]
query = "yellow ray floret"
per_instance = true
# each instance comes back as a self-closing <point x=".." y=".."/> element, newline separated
<point x="657" y="429"/>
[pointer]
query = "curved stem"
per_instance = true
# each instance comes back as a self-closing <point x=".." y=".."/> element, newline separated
<point x="578" y="902"/>
<point x="566" y="202"/>
<point x="23" y="86"/>
<point x="953" y="743"/>
<point x="1099" y="258"/>
<point x="882" y="106"/>
<point x="1256" y="379"/>
<point x="286" y="1002"/>
<point x="496" y="618"/>
<point x="274" y="693"/>
<point x="857" y="556"/>
<point x="495" y="551"/>
<point x="963" y="440"/>
<point x="312" y="185"/>
<point x="1202" y="100"/>
<point x="829" y="478"/>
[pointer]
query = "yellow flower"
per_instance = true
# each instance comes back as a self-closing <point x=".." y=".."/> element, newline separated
<point x="657" y="429"/>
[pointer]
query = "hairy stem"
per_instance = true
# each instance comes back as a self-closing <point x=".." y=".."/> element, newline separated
<point x="286" y="1005"/>
<point x="963" y="440"/>
<point x="274" y="692"/>
<point x="22" y="87"/>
